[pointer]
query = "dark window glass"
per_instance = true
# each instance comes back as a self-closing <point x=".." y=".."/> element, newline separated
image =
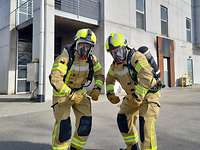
<point x="140" y="14"/>
<point x="23" y="86"/>
<point x="164" y="13"/>
<point x="140" y="5"/>
<point x="188" y="29"/>
<point x="140" y="21"/>
<point x="164" y="21"/>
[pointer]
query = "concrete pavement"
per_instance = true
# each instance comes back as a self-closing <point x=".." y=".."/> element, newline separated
<point x="26" y="125"/>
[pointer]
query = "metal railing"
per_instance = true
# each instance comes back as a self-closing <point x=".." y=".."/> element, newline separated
<point x="85" y="8"/>
<point x="24" y="11"/>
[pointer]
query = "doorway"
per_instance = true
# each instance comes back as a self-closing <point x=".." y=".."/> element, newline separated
<point x="190" y="70"/>
<point x="24" y="56"/>
<point x="166" y="71"/>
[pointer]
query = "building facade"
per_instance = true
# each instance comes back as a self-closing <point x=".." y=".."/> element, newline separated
<point x="35" y="31"/>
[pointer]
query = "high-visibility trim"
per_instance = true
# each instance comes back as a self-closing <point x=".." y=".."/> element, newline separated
<point x="59" y="67"/>
<point x="63" y="92"/>
<point x="64" y="146"/>
<point x="54" y="134"/>
<point x="141" y="64"/>
<point x="61" y="147"/>
<point x="68" y="75"/>
<point x="77" y="67"/>
<point x="97" y="67"/>
<point x="78" y="142"/>
<point x="153" y="138"/>
<point x="131" y="139"/>
<point x="109" y="88"/>
<point x="99" y="83"/>
<point x="111" y="72"/>
<point x="140" y="90"/>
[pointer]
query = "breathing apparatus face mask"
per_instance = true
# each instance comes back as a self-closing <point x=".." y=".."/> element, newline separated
<point x="83" y="49"/>
<point x="119" y="54"/>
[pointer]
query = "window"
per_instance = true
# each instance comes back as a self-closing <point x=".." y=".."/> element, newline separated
<point x="188" y="29"/>
<point x="140" y="14"/>
<point x="164" y="20"/>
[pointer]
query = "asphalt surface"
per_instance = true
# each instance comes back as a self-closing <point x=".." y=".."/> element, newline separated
<point x="26" y="125"/>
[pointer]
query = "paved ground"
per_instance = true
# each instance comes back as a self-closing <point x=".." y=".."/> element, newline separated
<point x="26" y="125"/>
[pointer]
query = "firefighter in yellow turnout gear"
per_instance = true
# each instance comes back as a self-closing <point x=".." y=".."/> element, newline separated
<point x="72" y="71"/>
<point x="139" y="100"/>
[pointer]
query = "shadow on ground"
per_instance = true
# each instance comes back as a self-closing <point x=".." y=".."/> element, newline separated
<point x="23" y="145"/>
<point x="28" y="100"/>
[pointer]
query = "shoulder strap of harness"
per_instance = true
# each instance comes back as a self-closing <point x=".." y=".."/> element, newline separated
<point x="131" y="69"/>
<point x="91" y="71"/>
<point x="70" y="50"/>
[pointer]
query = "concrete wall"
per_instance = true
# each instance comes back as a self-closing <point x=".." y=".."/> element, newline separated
<point x="7" y="46"/>
<point x="196" y="22"/>
<point x="49" y="45"/>
<point x="4" y="44"/>
<point x="196" y="71"/>
<point x="13" y="50"/>
<point x="196" y="39"/>
<point x="48" y="34"/>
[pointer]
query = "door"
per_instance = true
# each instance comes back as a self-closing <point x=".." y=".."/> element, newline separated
<point x="190" y="71"/>
<point x="24" y="56"/>
<point x="166" y="72"/>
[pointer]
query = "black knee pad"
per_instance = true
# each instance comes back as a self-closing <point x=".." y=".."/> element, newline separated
<point x="65" y="130"/>
<point x="122" y="123"/>
<point x="135" y="147"/>
<point x="85" y="126"/>
<point x="141" y="122"/>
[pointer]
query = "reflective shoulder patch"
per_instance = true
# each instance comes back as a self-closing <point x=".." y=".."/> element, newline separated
<point x="139" y="61"/>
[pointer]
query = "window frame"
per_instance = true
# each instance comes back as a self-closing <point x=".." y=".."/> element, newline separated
<point x="188" y="29"/>
<point x="164" y="20"/>
<point x="143" y="14"/>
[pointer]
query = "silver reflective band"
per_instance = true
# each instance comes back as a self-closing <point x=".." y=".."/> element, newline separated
<point x="147" y="52"/>
<point x="158" y="72"/>
<point x="76" y="67"/>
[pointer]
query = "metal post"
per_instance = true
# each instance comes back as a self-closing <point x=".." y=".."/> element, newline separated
<point x="40" y="96"/>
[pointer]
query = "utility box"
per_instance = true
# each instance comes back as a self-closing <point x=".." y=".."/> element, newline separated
<point x="32" y="72"/>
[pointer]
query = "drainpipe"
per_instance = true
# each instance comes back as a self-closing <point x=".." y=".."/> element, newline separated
<point x="40" y="96"/>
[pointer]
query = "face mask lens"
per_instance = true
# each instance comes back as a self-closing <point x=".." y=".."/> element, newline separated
<point x="83" y="49"/>
<point x="118" y="54"/>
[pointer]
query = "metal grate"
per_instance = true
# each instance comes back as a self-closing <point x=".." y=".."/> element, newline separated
<point x="86" y="8"/>
<point x="24" y="11"/>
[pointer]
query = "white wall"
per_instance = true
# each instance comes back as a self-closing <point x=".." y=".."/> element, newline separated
<point x="196" y="67"/>
<point x="7" y="46"/>
<point x="124" y="21"/>
<point x="48" y="41"/>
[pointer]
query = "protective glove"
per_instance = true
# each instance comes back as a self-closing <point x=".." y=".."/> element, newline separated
<point x="136" y="102"/>
<point x="113" y="98"/>
<point x="94" y="93"/>
<point x="77" y="96"/>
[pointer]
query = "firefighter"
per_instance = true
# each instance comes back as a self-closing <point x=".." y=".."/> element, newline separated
<point x="72" y="71"/>
<point x="135" y="75"/>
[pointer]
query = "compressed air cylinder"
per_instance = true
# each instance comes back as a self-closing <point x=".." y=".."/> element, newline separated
<point x="146" y="52"/>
